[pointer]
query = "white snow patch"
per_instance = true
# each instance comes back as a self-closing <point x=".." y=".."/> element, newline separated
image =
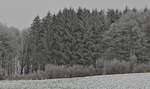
<point x="121" y="81"/>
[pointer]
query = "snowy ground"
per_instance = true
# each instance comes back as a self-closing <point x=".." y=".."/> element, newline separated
<point x="125" y="81"/>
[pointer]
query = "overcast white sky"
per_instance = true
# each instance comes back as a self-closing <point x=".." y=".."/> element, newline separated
<point x="20" y="13"/>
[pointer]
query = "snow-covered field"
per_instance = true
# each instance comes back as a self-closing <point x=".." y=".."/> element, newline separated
<point x="124" y="81"/>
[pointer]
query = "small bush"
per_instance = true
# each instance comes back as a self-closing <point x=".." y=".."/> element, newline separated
<point x="141" y="68"/>
<point x="113" y="67"/>
<point x="55" y="71"/>
<point x="79" y="71"/>
<point x="117" y="67"/>
<point x="100" y="63"/>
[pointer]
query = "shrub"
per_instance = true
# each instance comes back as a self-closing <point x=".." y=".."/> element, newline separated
<point x="113" y="67"/>
<point x="100" y="63"/>
<point x="133" y="59"/>
<point x="141" y="68"/>
<point x="55" y="71"/>
<point x="79" y="71"/>
<point x="117" y="66"/>
<point x="102" y="67"/>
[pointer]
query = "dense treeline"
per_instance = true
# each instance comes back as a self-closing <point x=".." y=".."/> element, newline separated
<point x="81" y="37"/>
<point x="9" y="52"/>
<point x="68" y="38"/>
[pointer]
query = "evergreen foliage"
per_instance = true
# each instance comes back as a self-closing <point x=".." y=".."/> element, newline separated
<point x="81" y="37"/>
